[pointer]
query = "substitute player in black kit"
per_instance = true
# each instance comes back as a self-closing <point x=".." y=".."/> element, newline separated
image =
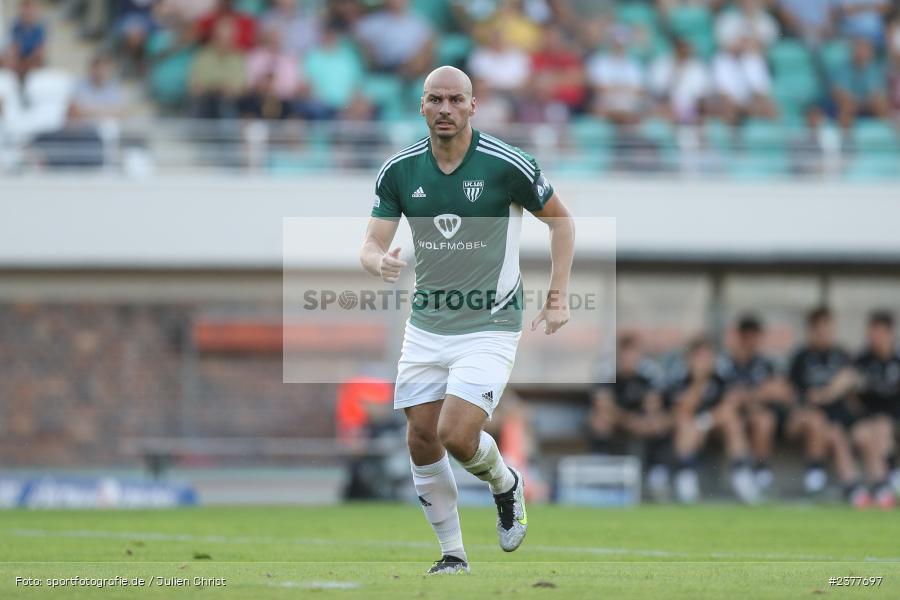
<point x="823" y="376"/>
<point x="879" y="389"/>
<point x="634" y="405"/>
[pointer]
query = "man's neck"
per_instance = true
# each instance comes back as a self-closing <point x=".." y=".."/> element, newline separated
<point x="449" y="153"/>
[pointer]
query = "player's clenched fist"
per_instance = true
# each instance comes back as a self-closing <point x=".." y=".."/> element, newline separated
<point x="391" y="265"/>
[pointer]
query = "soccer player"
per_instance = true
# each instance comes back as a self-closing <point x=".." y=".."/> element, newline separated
<point x="766" y="396"/>
<point x="463" y="193"/>
<point x="633" y="405"/>
<point x="879" y="390"/>
<point x="824" y="379"/>
<point x="703" y="404"/>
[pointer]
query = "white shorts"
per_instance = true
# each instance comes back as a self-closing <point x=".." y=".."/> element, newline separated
<point x="473" y="366"/>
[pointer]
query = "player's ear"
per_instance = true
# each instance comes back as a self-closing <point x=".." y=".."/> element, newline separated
<point x="422" y="106"/>
<point x="472" y="110"/>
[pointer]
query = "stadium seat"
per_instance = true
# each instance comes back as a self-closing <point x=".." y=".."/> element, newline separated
<point x="835" y="54"/>
<point x="764" y="150"/>
<point x="661" y="133"/>
<point x="436" y="11"/>
<point x="169" y="77"/>
<point x="877" y="154"/>
<point x="452" y="49"/>
<point x="637" y="13"/>
<point x="588" y="132"/>
<point x="794" y="91"/>
<point x="252" y="7"/>
<point x="695" y="24"/>
<point x="385" y="92"/>
<point x="787" y="56"/>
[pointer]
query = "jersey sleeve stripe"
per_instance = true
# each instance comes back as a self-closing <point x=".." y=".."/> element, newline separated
<point x="418" y="145"/>
<point x="387" y="167"/>
<point x="486" y="150"/>
<point x="512" y="154"/>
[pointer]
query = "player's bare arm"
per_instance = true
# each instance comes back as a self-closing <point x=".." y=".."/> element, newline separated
<point x="555" y="312"/>
<point x="374" y="254"/>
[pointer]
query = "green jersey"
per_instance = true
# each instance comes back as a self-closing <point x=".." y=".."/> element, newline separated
<point x="466" y="227"/>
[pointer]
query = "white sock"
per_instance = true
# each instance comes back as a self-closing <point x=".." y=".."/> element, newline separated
<point x="436" y="488"/>
<point x="488" y="465"/>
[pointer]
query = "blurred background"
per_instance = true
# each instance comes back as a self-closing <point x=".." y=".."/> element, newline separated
<point x="149" y="150"/>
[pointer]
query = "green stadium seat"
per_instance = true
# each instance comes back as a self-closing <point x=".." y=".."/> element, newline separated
<point x="794" y="92"/>
<point x="452" y="49"/>
<point x="436" y="11"/>
<point x="695" y="24"/>
<point x="788" y="56"/>
<point x="169" y="77"/>
<point x="590" y="133"/>
<point x="252" y="7"/>
<point x="764" y="151"/>
<point x="877" y="152"/>
<point x="718" y="134"/>
<point x="385" y="92"/>
<point x="875" y="135"/>
<point x="835" y="54"/>
<point x="637" y="13"/>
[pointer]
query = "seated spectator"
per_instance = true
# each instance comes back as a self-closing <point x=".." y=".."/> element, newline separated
<point x="766" y="395"/>
<point x="862" y="18"/>
<point x="218" y="75"/>
<point x="273" y="77"/>
<point x="494" y="110"/>
<point x="99" y="96"/>
<point x="860" y="87"/>
<point x="27" y="37"/>
<point x="334" y="73"/>
<point x="243" y="26"/>
<point x="518" y="30"/>
<point x="823" y="379"/>
<point x="742" y="82"/>
<point x="506" y="68"/>
<point x="344" y="15"/>
<point x="681" y="84"/>
<point x="893" y="52"/>
<point x="810" y="20"/>
<point x="618" y="81"/>
<point x="134" y="24"/>
<point x="703" y="404"/>
<point x="557" y="68"/>
<point x="299" y="29"/>
<point x="633" y="406"/>
<point x="396" y="40"/>
<point x="751" y="21"/>
<point x="879" y="390"/>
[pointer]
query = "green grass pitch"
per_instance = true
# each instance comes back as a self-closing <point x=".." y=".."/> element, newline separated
<point x="364" y="551"/>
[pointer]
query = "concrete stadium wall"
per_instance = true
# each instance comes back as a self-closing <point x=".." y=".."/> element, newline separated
<point x="231" y="221"/>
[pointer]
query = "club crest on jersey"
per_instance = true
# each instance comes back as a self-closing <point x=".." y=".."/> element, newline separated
<point x="448" y="225"/>
<point x="473" y="189"/>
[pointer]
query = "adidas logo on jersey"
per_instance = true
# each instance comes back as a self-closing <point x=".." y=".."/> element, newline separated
<point x="489" y="396"/>
<point x="419" y="193"/>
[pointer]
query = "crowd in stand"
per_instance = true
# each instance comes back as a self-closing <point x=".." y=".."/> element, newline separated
<point x="618" y="63"/>
<point x="842" y="412"/>
<point x="532" y="60"/>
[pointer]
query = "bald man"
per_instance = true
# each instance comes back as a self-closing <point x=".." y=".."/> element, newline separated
<point x="463" y="193"/>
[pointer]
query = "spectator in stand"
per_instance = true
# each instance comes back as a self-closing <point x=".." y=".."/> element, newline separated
<point x="299" y="29"/>
<point x="810" y="20"/>
<point x="99" y="96"/>
<point x="751" y="21"/>
<point x="859" y="87"/>
<point x="344" y="15"/>
<point x="558" y="68"/>
<point x="183" y="11"/>
<point x="396" y="40"/>
<point x="494" y="110"/>
<point x="893" y="52"/>
<point x="742" y="82"/>
<point x="879" y="387"/>
<point x="634" y="405"/>
<point x="27" y="38"/>
<point x="243" y="26"/>
<point x="134" y="24"/>
<point x="703" y="404"/>
<point x="218" y="75"/>
<point x="618" y="81"/>
<point x="681" y="84"/>
<point x="507" y="68"/>
<point x="273" y="76"/>
<point x="334" y="73"/>
<point x="862" y="18"/>
<point x="518" y="30"/>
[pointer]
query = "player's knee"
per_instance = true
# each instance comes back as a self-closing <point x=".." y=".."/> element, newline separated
<point x="420" y="438"/>
<point x="458" y="443"/>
